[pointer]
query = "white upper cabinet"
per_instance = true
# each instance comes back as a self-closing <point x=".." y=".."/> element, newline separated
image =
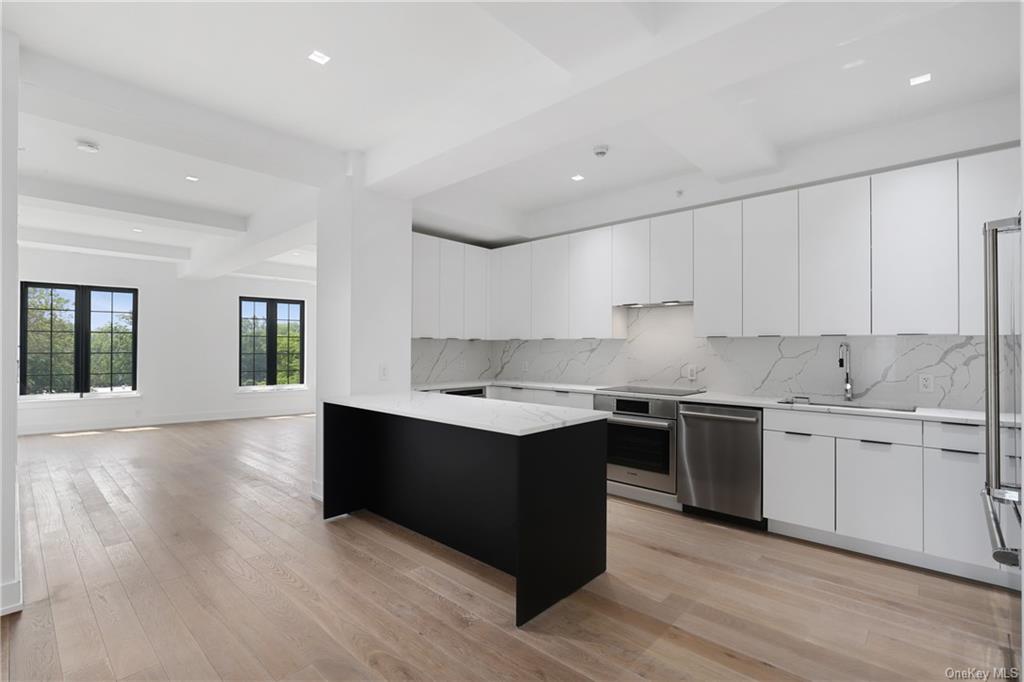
<point x="989" y="190"/>
<point x="452" y="288"/>
<point x="510" y="292"/>
<point x="425" y="286"/>
<point x="631" y="262"/>
<point x="914" y="250"/>
<point x="476" y="288"/>
<point x="835" y="258"/>
<point x="671" y="255"/>
<point x="718" y="270"/>
<point x="550" y="288"/>
<point x="770" y="265"/>
<point x="590" y="288"/>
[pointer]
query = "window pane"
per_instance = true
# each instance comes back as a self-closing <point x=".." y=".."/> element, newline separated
<point x="261" y="362"/>
<point x="293" y="312"/>
<point x="39" y="297"/>
<point x="121" y="363"/>
<point x="102" y="301"/>
<point x="247" y="379"/>
<point x="39" y="319"/>
<point x="247" y="327"/>
<point x="282" y="311"/>
<point x="100" y="342"/>
<point x="248" y="362"/>
<point x="63" y="383"/>
<point x="99" y="382"/>
<point x="261" y="378"/>
<point x="37" y="363"/>
<point x="38" y="342"/>
<point x="122" y="343"/>
<point x="64" y="320"/>
<point x="293" y="345"/>
<point x="63" y="363"/>
<point x="101" y="321"/>
<point x="63" y="299"/>
<point x="260" y="309"/>
<point x="123" y="322"/>
<point x="123" y="302"/>
<point x="247" y="308"/>
<point x="259" y="327"/>
<point x="282" y="376"/>
<point x="247" y="344"/>
<point x="122" y="381"/>
<point x="99" y="363"/>
<point x="260" y="344"/>
<point x="37" y="384"/>
<point x="293" y="377"/>
<point x="64" y="342"/>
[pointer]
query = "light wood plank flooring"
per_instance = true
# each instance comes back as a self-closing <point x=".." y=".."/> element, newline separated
<point x="195" y="552"/>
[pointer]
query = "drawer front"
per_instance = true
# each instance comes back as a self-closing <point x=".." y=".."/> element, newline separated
<point x="799" y="479"/>
<point x="519" y="395"/>
<point x="879" y="490"/>
<point x="902" y="431"/>
<point x="955" y="515"/>
<point x="562" y="398"/>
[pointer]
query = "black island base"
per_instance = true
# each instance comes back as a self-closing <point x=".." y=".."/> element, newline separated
<point x="533" y="506"/>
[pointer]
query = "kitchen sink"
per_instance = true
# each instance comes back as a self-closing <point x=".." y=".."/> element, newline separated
<point x="799" y="400"/>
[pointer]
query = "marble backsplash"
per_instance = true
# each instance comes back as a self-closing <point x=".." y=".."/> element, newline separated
<point x="661" y="349"/>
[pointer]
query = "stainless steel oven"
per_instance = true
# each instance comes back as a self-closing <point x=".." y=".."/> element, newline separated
<point x="642" y="449"/>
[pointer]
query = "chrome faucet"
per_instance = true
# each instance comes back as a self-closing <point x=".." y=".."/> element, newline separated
<point x="844" y="363"/>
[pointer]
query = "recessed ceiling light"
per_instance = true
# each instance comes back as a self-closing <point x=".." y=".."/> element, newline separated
<point x="854" y="64"/>
<point x="87" y="146"/>
<point x="576" y="178"/>
<point x="191" y="178"/>
<point x="136" y="229"/>
<point x="923" y="78"/>
<point x="318" y="57"/>
<point x="296" y="253"/>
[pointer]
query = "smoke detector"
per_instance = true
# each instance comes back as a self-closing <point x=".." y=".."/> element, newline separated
<point x="87" y="146"/>
<point x="601" y="151"/>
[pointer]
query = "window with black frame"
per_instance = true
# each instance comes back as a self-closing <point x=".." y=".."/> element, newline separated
<point x="77" y="339"/>
<point x="271" y="342"/>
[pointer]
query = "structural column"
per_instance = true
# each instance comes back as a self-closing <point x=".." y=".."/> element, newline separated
<point x="10" y="540"/>
<point x="364" y="294"/>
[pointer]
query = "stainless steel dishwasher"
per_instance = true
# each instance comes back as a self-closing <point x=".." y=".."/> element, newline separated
<point x="720" y="459"/>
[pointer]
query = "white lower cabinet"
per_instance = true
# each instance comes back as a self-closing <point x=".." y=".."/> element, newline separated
<point x="879" y="492"/>
<point x="956" y="518"/>
<point x="541" y="396"/>
<point x="799" y="479"/>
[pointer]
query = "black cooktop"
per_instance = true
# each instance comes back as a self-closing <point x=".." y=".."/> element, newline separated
<point x="673" y="391"/>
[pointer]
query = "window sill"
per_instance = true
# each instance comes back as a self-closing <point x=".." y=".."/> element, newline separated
<point x="45" y="400"/>
<point x="263" y="390"/>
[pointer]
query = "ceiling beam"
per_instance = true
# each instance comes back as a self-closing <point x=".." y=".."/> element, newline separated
<point x="66" y="196"/>
<point x="77" y="242"/>
<point x="284" y="272"/>
<point x="62" y="92"/>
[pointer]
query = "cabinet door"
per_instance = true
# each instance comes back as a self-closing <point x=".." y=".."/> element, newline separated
<point x="672" y="257"/>
<point x="879" y="492"/>
<point x="550" y="275"/>
<point x="770" y="263"/>
<point x="913" y="250"/>
<point x="426" y="267"/>
<point x="800" y="479"/>
<point x="835" y="258"/>
<point x="510" y="298"/>
<point x="955" y="515"/>
<point x="989" y="190"/>
<point x="718" y="270"/>
<point x="590" y="288"/>
<point x="475" y="294"/>
<point x="452" y="296"/>
<point x="631" y="263"/>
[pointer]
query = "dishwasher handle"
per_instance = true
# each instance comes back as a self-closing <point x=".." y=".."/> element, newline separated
<point x="643" y="422"/>
<point x="722" y="417"/>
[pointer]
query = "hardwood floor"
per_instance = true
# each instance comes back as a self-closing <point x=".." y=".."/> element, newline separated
<point x="195" y="552"/>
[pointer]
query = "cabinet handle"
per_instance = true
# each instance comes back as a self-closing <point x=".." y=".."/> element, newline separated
<point x="959" y="452"/>
<point x="874" y="442"/>
<point x="911" y="334"/>
<point x="959" y="424"/>
<point x="835" y="334"/>
<point x="560" y="391"/>
<point x="716" y="336"/>
<point x="769" y="336"/>
<point x="797" y="433"/>
<point x="514" y="388"/>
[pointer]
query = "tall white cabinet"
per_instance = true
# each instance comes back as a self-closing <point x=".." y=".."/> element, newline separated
<point x="718" y="270"/>
<point x="451" y="289"/>
<point x="550" y="288"/>
<point x="476" y="287"/>
<point x="914" y="250"/>
<point x="989" y="189"/>
<point x="835" y="258"/>
<point x="511" y="305"/>
<point x="426" y="298"/>
<point x="671" y="258"/>
<point x="770" y="265"/>
<point x="631" y="262"/>
<point x="590" y="288"/>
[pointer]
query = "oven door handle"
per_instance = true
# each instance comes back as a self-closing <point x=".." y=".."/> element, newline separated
<point x="723" y="417"/>
<point x="664" y="425"/>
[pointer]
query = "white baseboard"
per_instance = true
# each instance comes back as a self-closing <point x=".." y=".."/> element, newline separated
<point x="10" y="597"/>
<point x="105" y="425"/>
<point x="317" y="493"/>
<point x="1008" y="578"/>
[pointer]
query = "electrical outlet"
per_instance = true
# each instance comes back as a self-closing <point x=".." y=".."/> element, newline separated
<point x="382" y="372"/>
<point x="925" y="383"/>
<point x="525" y="366"/>
<point x="691" y="373"/>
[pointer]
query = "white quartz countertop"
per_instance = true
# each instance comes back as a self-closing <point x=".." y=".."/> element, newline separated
<point x="455" y="385"/>
<point x="499" y="416"/>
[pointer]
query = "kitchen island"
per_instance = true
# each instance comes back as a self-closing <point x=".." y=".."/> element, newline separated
<point x="518" y="486"/>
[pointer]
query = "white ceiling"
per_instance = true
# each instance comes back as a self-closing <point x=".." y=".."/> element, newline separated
<point x="479" y="112"/>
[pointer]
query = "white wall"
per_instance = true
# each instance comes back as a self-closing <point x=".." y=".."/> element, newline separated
<point x="187" y="346"/>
